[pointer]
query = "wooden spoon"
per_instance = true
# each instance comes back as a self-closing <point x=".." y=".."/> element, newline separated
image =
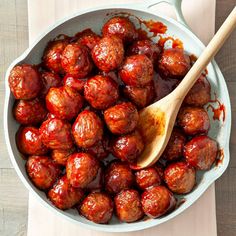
<point x="156" y="121"/>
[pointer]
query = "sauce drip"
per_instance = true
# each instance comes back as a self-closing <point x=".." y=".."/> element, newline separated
<point x="154" y="27"/>
<point x="176" y="43"/>
<point x="220" y="158"/>
<point x="218" y="111"/>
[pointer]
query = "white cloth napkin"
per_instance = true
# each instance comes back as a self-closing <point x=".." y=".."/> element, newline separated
<point x="200" y="218"/>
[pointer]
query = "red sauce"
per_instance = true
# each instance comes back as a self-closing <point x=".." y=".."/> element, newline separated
<point x="180" y="202"/>
<point x="220" y="158"/>
<point x="164" y="86"/>
<point x="142" y="34"/>
<point x="176" y="43"/>
<point x="154" y="27"/>
<point x="218" y="111"/>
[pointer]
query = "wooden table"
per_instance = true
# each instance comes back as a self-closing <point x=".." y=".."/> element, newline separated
<point x="14" y="196"/>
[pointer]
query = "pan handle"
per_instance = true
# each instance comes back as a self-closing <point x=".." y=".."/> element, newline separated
<point x="175" y="3"/>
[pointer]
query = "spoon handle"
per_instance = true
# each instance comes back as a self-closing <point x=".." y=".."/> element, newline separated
<point x="212" y="48"/>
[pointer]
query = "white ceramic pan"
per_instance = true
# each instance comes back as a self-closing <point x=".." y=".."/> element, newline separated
<point x="95" y="18"/>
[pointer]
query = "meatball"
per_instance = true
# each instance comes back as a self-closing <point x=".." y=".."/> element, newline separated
<point x="64" y="102"/>
<point x="63" y="195"/>
<point x="128" y="147"/>
<point x="61" y="156"/>
<point x="24" y="82"/>
<point x="76" y="60"/>
<point x="137" y="70"/>
<point x="121" y="118"/>
<point x="147" y="177"/>
<point x="42" y="171"/>
<point x="87" y="129"/>
<point x="49" y="80"/>
<point x="200" y="93"/>
<point x="81" y="169"/>
<point x="157" y="201"/>
<point x="174" y="63"/>
<point x="52" y="55"/>
<point x="128" y="206"/>
<point x="180" y="177"/>
<point x="140" y="96"/>
<point x="193" y="120"/>
<point x="175" y="146"/>
<point x="101" y="92"/>
<point x="100" y="149"/>
<point x="108" y="54"/>
<point x="56" y="134"/>
<point x="77" y="84"/>
<point x="30" y="112"/>
<point x="121" y="27"/>
<point x="87" y="38"/>
<point x="29" y="141"/>
<point x="97" y="207"/>
<point x="97" y="184"/>
<point x="118" y="176"/>
<point x="146" y="47"/>
<point x="201" y="152"/>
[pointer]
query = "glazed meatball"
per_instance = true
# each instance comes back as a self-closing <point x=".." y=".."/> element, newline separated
<point x="76" y="60"/>
<point x="140" y="96"/>
<point x="100" y="149"/>
<point x="61" y="156"/>
<point x="52" y="55"/>
<point x="64" y="102"/>
<point x="174" y="63"/>
<point x="30" y="112"/>
<point x="137" y="70"/>
<point x="87" y="129"/>
<point x="193" y="120"/>
<point x="128" y="206"/>
<point x="121" y="27"/>
<point x="88" y="38"/>
<point x="108" y="54"/>
<point x="175" y="146"/>
<point x="56" y="134"/>
<point x="77" y="84"/>
<point x="157" y="201"/>
<point x="118" y="176"/>
<point x="81" y="169"/>
<point x="42" y="171"/>
<point x="63" y="195"/>
<point x="128" y="147"/>
<point x="49" y="80"/>
<point x="201" y="152"/>
<point x="147" y="177"/>
<point x="24" y="82"/>
<point x="121" y="118"/>
<point x="29" y="141"/>
<point x="180" y="177"/>
<point x="101" y="92"/>
<point x="200" y="93"/>
<point x="97" y="207"/>
<point x="97" y="184"/>
<point x="146" y="47"/>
